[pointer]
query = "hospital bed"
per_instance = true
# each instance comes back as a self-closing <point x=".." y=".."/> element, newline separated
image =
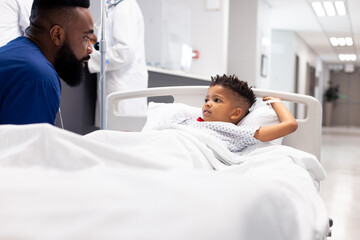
<point x="165" y="182"/>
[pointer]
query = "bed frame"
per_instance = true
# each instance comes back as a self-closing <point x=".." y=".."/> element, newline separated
<point x="306" y="138"/>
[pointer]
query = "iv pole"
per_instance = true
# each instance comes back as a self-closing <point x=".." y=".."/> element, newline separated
<point x="102" y="80"/>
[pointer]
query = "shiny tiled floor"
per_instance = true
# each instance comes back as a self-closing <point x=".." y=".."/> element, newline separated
<point x="341" y="189"/>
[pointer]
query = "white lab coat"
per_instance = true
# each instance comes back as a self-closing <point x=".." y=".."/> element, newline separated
<point x="14" y="19"/>
<point x="125" y="51"/>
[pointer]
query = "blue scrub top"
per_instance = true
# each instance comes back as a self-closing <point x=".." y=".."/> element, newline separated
<point x="30" y="88"/>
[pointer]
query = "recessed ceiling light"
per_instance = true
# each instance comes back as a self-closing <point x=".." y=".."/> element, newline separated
<point x="349" y="41"/>
<point x="329" y="8"/>
<point x="334" y="41"/>
<point x="340" y="8"/>
<point x="318" y="8"/>
<point x="342" y="41"/>
<point x="342" y="57"/>
<point x="347" y="57"/>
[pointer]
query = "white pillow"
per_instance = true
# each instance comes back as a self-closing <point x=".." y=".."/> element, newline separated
<point x="261" y="115"/>
<point x="165" y="112"/>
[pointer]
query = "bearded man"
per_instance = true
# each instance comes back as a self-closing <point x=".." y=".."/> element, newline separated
<point x="56" y="45"/>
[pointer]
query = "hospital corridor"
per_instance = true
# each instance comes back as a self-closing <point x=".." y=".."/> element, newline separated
<point x="341" y="189"/>
<point x="180" y="119"/>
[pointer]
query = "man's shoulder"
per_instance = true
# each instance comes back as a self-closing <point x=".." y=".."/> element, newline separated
<point x="21" y="49"/>
<point x="23" y="56"/>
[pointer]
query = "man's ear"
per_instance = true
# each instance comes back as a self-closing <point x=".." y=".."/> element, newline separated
<point x="57" y="35"/>
<point x="236" y="114"/>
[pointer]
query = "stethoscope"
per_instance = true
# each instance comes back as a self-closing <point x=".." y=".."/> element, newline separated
<point x="114" y="3"/>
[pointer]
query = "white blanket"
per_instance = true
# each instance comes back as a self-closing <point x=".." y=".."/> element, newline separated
<point x="156" y="185"/>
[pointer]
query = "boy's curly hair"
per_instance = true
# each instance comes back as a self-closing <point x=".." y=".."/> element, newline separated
<point x="237" y="86"/>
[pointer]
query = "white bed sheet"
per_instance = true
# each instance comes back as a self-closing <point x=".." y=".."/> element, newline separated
<point x="156" y="185"/>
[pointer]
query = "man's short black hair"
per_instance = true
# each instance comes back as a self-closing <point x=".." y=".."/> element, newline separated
<point x="48" y="4"/>
<point x="237" y="86"/>
<point x="46" y="13"/>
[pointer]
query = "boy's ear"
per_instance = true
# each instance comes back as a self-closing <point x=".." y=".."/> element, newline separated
<point x="236" y="114"/>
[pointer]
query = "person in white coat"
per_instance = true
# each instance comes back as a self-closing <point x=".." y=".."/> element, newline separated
<point x="14" y="19"/>
<point x="126" y="68"/>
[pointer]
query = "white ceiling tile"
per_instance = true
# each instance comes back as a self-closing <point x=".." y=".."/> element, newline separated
<point x="298" y="16"/>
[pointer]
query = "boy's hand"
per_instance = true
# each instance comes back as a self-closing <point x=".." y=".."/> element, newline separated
<point x="287" y="125"/>
<point x="269" y="98"/>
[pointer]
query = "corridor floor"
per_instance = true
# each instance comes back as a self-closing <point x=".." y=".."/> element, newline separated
<point x="340" y="156"/>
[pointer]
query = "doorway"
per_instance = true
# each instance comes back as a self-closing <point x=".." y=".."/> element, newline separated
<point x="347" y="108"/>
<point x="296" y="83"/>
<point x="311" y="81"/>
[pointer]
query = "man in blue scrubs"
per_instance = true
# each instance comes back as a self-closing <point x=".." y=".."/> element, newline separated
<point x="56" y="45"/>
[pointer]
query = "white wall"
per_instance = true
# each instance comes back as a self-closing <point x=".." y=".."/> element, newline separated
<point x="285" y="46"/>
<point x="263" y="45"/>
<point x="249" y="24"/>
<point x="242" y="52"/>
<point x="153" y="30"/>
<point x="95" y="9"/>
<point x="306" y="55"/>
<point x="207" y="30"/>
<point x="282" y="64"/>
<point x="210" y="37"/>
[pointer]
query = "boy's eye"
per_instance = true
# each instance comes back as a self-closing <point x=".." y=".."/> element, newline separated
<point x="217" y="100"/>
<point x="206" y="100"/>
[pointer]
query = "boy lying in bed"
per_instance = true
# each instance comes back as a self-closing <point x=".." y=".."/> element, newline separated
<point x="228" y="100"/>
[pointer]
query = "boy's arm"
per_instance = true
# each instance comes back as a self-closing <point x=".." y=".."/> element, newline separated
<point x="287" y="124"/>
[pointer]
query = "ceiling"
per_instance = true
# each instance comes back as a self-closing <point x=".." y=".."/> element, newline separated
<point x="298" y="16"/>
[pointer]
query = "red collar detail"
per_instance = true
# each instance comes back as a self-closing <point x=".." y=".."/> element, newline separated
<point x="199" y="119"/>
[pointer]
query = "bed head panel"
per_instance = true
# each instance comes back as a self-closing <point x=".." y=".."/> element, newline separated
<point x="306" y="138"/>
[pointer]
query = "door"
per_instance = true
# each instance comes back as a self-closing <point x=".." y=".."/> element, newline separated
<point x="346" y="111"/>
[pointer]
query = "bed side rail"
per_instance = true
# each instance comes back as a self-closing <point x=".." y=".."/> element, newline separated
<point x="306" y="138"/>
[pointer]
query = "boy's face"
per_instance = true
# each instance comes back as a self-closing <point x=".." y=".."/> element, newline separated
<point x="219" y="104"/>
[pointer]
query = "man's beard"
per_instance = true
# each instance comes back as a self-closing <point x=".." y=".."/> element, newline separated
<point x="68" y="67"/>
